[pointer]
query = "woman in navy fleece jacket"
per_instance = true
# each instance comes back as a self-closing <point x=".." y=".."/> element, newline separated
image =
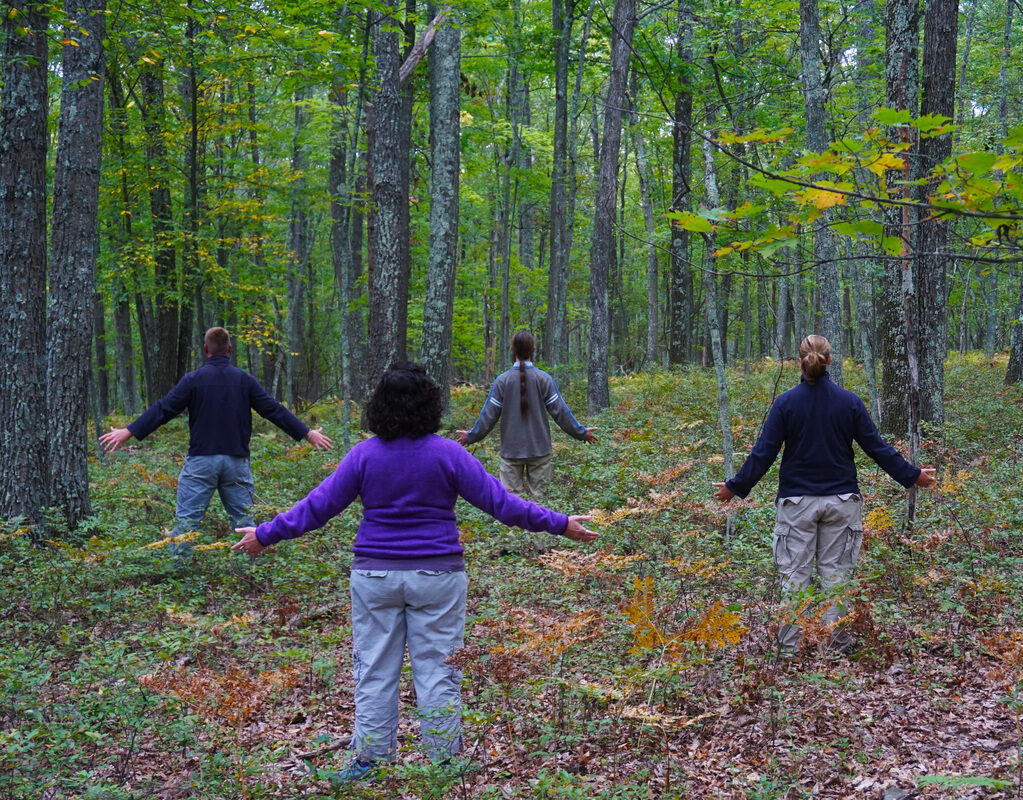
<point x="408" y="583"/>
<point x="819" y="508"/>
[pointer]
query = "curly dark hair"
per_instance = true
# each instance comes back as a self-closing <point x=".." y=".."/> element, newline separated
<point x="406" y="403"/>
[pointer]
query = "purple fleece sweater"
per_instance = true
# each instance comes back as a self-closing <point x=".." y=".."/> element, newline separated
<point x="408" y="489"/>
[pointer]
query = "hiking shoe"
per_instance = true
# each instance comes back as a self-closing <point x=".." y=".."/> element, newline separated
<point x="359" y="772"/>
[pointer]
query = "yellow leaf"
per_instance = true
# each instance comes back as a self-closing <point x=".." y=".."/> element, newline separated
<point x="885" y="162"/>
<point x="822" y="198"/>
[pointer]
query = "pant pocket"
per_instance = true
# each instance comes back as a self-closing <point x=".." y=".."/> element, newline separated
<point x="370" y="573"/>
<point x="782" y="551"/>
<point x="853" y="543"/>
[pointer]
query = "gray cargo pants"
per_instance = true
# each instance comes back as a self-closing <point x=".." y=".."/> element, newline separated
<point x="424" y="609"/>
<point x="828" y="530"/>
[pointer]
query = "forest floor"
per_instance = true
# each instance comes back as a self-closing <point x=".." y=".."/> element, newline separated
<point x="640" y="666"/>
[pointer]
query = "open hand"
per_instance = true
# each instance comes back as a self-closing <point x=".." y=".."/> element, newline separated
<point x="576" y="532"/>
<point x="589" y="438"/>
<point x="723" y="493"/>
<point x="318" y="439"/>
<point x="463" y="438"/>
<point x="249" y="543"/>
<point x="114" y="439"/>
<point x="926" y="478"/>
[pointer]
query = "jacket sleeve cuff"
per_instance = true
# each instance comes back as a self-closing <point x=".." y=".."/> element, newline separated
<point x="736" y="490"/>
<point x="561" y="525"/>
<point x="263" y="536"/>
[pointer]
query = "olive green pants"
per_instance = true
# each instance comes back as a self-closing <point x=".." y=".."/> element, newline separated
<point x="826" y="531"/>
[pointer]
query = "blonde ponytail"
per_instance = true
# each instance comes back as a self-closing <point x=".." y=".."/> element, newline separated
<point x="814" y="355"/>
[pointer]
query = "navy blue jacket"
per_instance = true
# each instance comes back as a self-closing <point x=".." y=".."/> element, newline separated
<point x="818" y="423"/>
<point x="218" y="397"/>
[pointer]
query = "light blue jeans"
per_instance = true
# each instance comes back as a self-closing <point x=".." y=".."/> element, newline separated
<point x="426" y="610"/>
<point x="200" y="477"/>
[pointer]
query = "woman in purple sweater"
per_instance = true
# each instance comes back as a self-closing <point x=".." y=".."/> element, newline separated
<point x="408" y="582"/>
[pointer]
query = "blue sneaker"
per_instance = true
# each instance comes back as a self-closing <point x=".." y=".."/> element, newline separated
<point x="359" y="772"/>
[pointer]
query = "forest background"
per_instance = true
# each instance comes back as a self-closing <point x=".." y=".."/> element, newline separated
<point x="654" y="189"/>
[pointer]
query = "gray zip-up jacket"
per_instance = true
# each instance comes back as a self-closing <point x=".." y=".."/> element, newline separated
<point x="525" y="436"/>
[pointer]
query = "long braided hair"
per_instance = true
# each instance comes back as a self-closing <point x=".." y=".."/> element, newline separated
<point x="523" y="346"/>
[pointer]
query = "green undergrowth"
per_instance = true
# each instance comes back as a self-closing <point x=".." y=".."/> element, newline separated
<point x="639" y="666"/>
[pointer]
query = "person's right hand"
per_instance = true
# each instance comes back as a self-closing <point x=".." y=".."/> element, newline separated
<point x="463" y="438"/>
<point x="926" y="478"/>
<point x="589" y="438"/>
<point x="576" y="532"/>
<point x="111" y="441"/>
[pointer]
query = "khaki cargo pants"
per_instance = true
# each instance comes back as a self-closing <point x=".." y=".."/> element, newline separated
<point x="526" y="477"/>
<point x="827" y="530"/>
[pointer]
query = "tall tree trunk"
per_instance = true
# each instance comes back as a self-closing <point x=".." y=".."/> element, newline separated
<point x="296" y="361"/>
<point x="163" y="344"/>
<point x="387" y="150"/>
<point x="941" y="28"/>
<point x="554" y="345"/>
<point x="713" y="316"/>
<point x="445" y="157"/>
<point x="815" y="92"/>
<point x="680" y="302"/>
<point x="602" y="250"/>
<point x="646" y="200"/>
<point x="24" y="473"/>
<point x="901" y="34"/>
<point x="74" y="246"/>
<point x="99" y="333"/>
<point x="991" y="319"/>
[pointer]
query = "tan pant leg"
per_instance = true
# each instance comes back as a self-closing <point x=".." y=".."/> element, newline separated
<point x="513" y="475"/>
<point x="795" y="546"/>
<point x="840" y="536"/>
<point x="538" y="474"/>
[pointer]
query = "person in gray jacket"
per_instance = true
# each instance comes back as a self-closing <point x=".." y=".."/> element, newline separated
<point x="526" y="392"/>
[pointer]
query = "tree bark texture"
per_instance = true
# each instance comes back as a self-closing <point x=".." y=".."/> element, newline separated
<point x="554" y="345"/>
<point x="815" y="93"/>
<point x="74" y="244"/>
<point x="941" y="29"/>
<point x="901" y="80"/>
<point x="445" y="149"/>
<point x="680" y="294"/>
<point x="24" y="474"/>
<point x="602" y="251"/>
<point x="163" y="344"/>
<point x="387" y="311"/>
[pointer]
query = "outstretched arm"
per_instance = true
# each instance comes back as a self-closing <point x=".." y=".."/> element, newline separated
<point x="489" y="415"/>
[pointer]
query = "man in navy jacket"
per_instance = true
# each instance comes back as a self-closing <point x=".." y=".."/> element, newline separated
<point x="220" y="399"/>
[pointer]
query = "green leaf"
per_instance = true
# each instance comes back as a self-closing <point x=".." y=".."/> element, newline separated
<point x="773" y="185"/>
<point x="892" y="245"/>
<point x="861" y="229"/>
<point x="690" y="221"/>
<point x="977" y="162"/>
<point x="889" y="116"/>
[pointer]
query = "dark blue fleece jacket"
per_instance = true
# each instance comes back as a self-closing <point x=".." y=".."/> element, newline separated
<point x="818" y="423"/>
<point x="218" y="397"/>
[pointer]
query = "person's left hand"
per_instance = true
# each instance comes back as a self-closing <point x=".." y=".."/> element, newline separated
<point x="463" y="438"/>
<point x="589" y="438"/>
<point x="249" y="543"/>
<point x="723" y="494"/>
<point x="318" y="440"/>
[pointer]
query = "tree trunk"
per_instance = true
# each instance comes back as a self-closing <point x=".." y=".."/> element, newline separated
<point x="99" y="334"/>
<point x="941" y="27"/>
<point x="74" y="245"/>
<point x="445" y="157"/>
<point x="296" y="360"/>
<point x="652" y="269"/>
<point x="554" y="346"/>
<point x="387" y="149"/>
<point x="602" y="250"/>
<point x="713" y="316"/>
<point x="163" y="344"/>
<point x="901" y="33"/>
<point x="815" y="91"/>
<point x="680" y="302"/>
<point x="24" y="473"/>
